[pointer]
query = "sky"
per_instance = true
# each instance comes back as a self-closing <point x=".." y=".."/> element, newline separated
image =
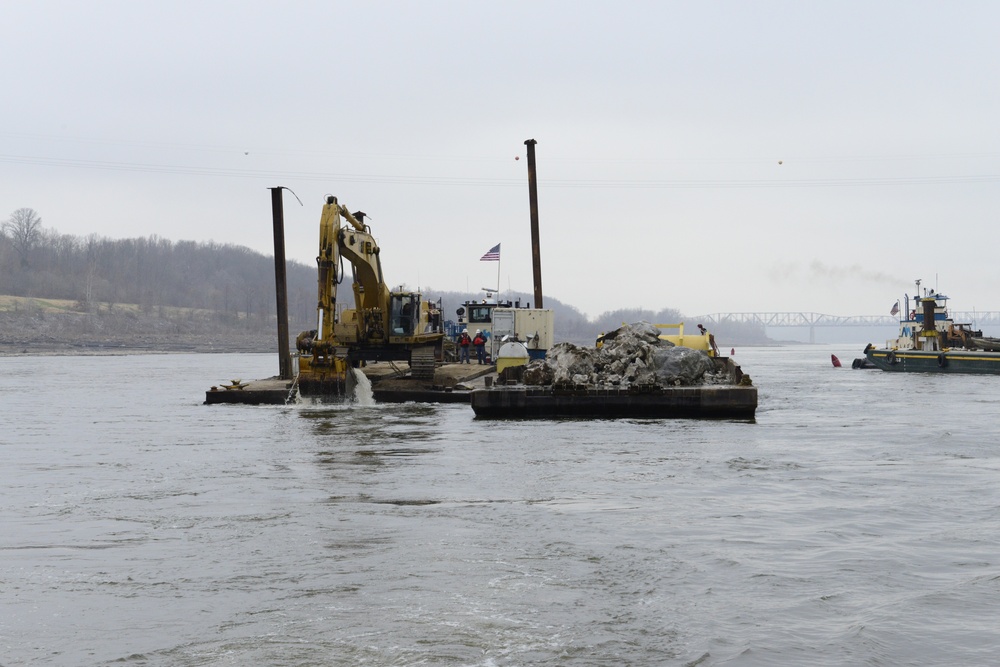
<point x="710" y="157"/>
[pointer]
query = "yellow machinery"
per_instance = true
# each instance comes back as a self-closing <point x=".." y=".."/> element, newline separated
<point x="702" y="340"/>
<point x="383" y="326"/>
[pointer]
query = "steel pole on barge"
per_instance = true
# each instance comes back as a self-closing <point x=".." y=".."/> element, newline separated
<point x="536" y="253"/>
<point x="280" y="284"/>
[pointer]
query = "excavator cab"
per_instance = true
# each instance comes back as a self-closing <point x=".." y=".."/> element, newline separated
<point x="404" y="314"/>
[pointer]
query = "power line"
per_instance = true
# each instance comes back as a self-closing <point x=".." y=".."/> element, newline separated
<point x="402" y="179"/>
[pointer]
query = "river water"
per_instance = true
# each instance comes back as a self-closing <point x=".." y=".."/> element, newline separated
<point x="856" y="522"/>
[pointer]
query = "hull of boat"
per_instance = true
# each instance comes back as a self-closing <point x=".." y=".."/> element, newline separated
<point x="950" y="361"/>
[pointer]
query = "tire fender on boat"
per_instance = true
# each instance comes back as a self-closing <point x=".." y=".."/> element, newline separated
<point x="891" y="357"/>
<point x="942" y="360"/>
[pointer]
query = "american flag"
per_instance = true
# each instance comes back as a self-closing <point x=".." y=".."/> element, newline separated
<point x="493" y="255"/>
<point x="895" y="308"/>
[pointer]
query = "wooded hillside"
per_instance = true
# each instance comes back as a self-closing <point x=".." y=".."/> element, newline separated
<point x="153" y="293"/>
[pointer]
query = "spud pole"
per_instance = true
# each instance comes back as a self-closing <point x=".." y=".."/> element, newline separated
<point x="536" y="253"/>
<point x="280" y="285"/>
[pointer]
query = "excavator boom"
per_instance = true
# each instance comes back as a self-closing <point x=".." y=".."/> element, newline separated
<point x="383" y="325"/>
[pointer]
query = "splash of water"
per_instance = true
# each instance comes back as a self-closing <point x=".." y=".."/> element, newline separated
<point x="362" y="392"/>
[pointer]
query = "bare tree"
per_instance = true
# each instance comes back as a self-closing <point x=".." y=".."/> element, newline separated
<point x="25" y="230"/>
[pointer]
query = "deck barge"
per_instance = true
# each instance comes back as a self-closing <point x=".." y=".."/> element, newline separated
<point x="451" y="384"/>
<point x="731" y="395"/>
<point x="702" y="402"/>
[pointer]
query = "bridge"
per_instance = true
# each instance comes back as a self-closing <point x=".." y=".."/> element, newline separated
<point x="984" y="319"/>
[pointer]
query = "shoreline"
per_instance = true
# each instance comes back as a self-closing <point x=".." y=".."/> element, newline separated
<point x="121" y="351"/>
<point x="121" y="333"/>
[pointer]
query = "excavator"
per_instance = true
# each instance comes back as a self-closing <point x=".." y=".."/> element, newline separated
<point x="384" y="325"/>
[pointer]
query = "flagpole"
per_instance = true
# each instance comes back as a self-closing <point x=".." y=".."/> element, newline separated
<point x="493" y="255"/>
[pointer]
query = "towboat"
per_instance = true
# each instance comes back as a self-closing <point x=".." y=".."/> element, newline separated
<point x="930" y="341"/>
<point x="506" y="320"/>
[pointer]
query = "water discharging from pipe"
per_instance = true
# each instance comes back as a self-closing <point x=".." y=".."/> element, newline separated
<point x="362" y="390"/>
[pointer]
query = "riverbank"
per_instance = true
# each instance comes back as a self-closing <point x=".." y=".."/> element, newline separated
<point x="126" y="332"/>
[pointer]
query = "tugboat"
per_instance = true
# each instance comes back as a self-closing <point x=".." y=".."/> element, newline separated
<point x="497" y="319"/>
<point x="930" y="341"/>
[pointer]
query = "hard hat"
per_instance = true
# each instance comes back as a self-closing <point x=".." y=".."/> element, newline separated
<point x="479" y="331"/>
<point x="465" y="331"/>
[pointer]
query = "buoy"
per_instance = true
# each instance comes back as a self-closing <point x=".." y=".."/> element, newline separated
<point x="835" y="360"/>
<point x="732" y="352"/>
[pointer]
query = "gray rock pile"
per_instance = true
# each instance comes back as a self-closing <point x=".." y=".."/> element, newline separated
<point x="632" y="355"/>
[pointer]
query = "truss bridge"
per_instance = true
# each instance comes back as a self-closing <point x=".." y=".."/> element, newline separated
<point x="980" y="320"/>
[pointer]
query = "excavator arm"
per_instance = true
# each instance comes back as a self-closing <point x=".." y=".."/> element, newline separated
<point x="328" y="264"/>
<point x="374" y="329"/>
<point x="354" y="243"/>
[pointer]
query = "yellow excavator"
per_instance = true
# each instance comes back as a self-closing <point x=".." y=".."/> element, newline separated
<point x="384" y="325"/>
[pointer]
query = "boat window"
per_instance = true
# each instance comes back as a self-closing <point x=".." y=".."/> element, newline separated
<point x="479" y="314"/>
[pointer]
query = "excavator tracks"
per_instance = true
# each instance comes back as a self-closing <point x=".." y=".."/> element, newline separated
<point x="422" y="362"/>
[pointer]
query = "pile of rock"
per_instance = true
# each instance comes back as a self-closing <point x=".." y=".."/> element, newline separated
<point x="632" y="355"/>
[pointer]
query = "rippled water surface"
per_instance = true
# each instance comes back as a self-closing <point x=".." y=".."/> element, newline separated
<point x="857" y="522"/>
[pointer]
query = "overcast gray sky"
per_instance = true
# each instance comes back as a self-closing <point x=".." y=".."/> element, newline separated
<point x="705" y="156"/>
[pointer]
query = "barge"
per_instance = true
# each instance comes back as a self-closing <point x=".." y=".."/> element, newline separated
<point x="706" y="402"/>
<point x="451" y="384"/>
<point x="636" y="373"/>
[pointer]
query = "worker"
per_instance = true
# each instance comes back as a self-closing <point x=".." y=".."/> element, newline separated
<point x="711" y="339"/>
<point x="463" y="346"/>
<point x="480" y="342"/>
<point x="406" y="321"/>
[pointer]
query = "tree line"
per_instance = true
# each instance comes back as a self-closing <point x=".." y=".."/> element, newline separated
<point x="232" y="283"/>
<point x="150" y="272"/>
